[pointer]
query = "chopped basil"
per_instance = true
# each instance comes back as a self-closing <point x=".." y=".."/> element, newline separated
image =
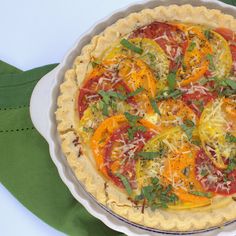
<point x="230" y="138"/>
<point x="166" y="94"/>
<point x="204" y="172"/>
<point x="201" y="194"/>
<point x="135" y="92"/>
<point x="150" y="155"/>
<point x="191" y="46"/>
<point x="126" y="43"/>
<point x="188" y="127"/>
<point x="88" y="129"/>
<point x="230" y="83"/>
<point x="134" y="129"/>
<point x="208" y="34"/>
<point x="104" y="107"/>
<point x="232" y="165"/>
<point x="108" y="100"/>
<point x="125" y="182"/>
<point x="157" y="195"/>
<point x="171" y="78"/>
<point x="105" y="96"/>
<point x="199" y="104"/>
<point x="211" y="63"/>
<point x="155" y="107"/>
<point x="95" y="63"/>
<point x="132" y="119"/>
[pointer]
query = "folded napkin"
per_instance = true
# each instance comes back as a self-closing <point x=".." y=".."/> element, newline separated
<point x="26" y="168"/>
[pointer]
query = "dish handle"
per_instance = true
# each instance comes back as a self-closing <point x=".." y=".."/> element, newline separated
<point x="41" y="101"/>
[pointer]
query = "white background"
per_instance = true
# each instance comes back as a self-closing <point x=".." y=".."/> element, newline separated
<point x="35" y="33"/>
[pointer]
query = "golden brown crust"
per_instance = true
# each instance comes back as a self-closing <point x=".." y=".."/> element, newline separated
<point x="79" y="157"/>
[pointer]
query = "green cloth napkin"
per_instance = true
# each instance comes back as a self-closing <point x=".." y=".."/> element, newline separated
<point x="26" y="169"/>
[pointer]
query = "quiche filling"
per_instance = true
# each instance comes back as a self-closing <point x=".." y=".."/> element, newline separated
<point x="154" y="121"/>
<point x="158" y="111"/>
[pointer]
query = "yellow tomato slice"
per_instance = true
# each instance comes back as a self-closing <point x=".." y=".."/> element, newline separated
<point x="221" y="56"/>
<point x="153" y="55"/>
<point x="176" y="167"/>
<point x="215" y="122"/>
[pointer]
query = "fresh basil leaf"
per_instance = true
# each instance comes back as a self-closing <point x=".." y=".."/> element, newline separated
<point x="125" y="182"/>
<point x="137" y="91"/>
<point x="105" y="96"/>
<point x="132" y="119"/>
<point x="154" y="106"/>
<point x="211" y="63"/>
<point x="134" y="129"/>
<point x="126" y="43"/>
<point x="201" y="194"/>
<point x="231" y="83"/>
<point x="171" y="78"/>
<point x="150" y="155"/>
<point x="230" y="138"/>
<point x="191" y="46"/>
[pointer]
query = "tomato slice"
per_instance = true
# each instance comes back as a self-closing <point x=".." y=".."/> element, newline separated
<point x="100" y="79"/>
<point x="195" y="62"/>
<point x="197" y="96"/>
<point x="119" y="154"/>
<point x="171" y="39"/>
<point x="214" y="125"/>
<point x="230" y="36"/>
<point x="107" y="136"/>
<point x="213" y="179"/>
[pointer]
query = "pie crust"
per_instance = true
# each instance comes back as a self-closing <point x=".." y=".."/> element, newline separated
<point x="80" y="158"/>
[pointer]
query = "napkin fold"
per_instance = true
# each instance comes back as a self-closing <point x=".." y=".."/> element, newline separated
<point x="26" y="168"/>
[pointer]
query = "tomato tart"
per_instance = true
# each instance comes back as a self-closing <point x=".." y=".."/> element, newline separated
<point x="147" y="118"/>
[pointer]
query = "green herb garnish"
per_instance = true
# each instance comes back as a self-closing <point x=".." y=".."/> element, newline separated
<point x="150" y="155"/>
<point x="171" y="78"/>
<point x="132" y="119"/>
<point x="201" y="194"/>
<point x="155" y="107"/>
<point x="157" y="195"/>
<point x="166" y="94"/>
<point x="232" y="165"/>
<point x="134" y="129"/>
<point x="230" y="83"/>
<point x="126" y="43"/>
<point x="188" y="127"/>
<point x="125" y="182"/>
<point x="230" y="138"/>
<point x="191" y="46"/>
<point x="135" y="92"/>
<point x="211" y="63"/>
<point x="208" y="34"/>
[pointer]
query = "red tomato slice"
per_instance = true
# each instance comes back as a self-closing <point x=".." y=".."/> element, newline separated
<point x="118" y="153"/>
<point x="230" y="36"/>
<point x="100" y="81"/>
<point x="197" y="97"/>
<point x="171" y="39"/>
<point x="213" y="179"/>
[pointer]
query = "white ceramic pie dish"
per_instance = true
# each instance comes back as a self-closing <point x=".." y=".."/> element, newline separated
<point x="43" y="106"/>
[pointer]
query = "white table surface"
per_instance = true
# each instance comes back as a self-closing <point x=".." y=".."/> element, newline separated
<point x="35" y="33"/>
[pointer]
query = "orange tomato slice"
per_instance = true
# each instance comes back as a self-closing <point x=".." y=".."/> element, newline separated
<point x="195" y="58"/>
